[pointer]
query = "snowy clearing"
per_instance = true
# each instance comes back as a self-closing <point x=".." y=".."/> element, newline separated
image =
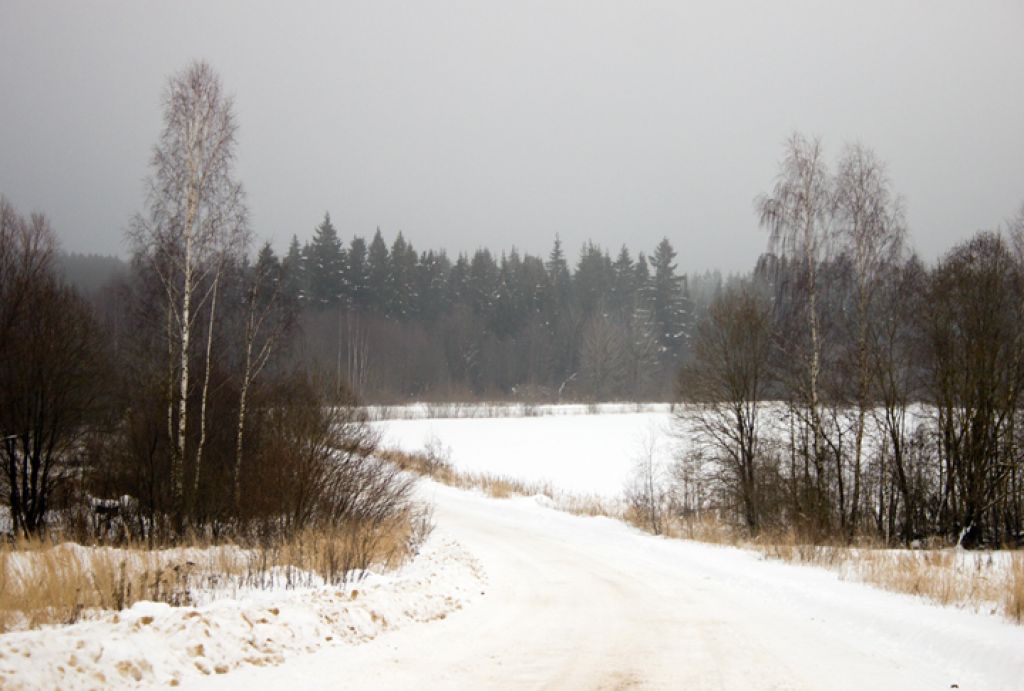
<point x="585" y="603"/>
<point x="574" y="451"/>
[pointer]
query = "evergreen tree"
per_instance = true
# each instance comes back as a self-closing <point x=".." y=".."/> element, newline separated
<point x="325" y="265"/>
<point x="623" y="289"/>
<point x="593" y="281"/>
<point x="668" y="301"/>
<point x="294" y="267"/>
<point x="357" y="275"/>
<point x="483" y="285"/>
<point x="510" y="312"/>
<point x="559" y="278"/>
<point x="458" y="282"/>
<point x="558" y="319"/>
<point x="379" y="278"/>
<point x="431" y="286"/>
<point x="403" y="279"/>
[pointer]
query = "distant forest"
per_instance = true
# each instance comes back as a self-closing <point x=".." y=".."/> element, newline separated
<point x="393" y="323"/>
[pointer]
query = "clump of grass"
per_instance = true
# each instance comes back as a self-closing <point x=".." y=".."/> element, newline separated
<point x="43" y="583"/>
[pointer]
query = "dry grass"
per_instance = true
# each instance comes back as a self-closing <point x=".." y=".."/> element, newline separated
<point x="43" y="583"/>
<point x="986" y="581"/>
<point x="435" y="465"/>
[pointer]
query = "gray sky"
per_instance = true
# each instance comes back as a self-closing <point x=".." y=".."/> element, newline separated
<point x="494" y="124"/>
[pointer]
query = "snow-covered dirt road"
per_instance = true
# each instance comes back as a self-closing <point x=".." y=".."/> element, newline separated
<point x="589" y="603"/>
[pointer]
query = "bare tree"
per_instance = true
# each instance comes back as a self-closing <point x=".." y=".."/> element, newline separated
<point x="974" y="338"/>
<point x="798" y="215"/>
<point x="196" y="218"/>
<point x="49" y="369"/>
<point x="723" y="390"/>
<point x="871" y="230"/>
<point x="266" y="319"/>
<point x="647" y="493"/>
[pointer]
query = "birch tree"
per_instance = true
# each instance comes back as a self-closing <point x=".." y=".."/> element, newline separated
<point x="266" y="319"/>
<point x="870" y="227"/>
<point x="798" y="216"/>
<point x="196" y="219"/>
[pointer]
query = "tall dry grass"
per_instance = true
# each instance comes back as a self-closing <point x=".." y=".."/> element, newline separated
<point x="44" y="583"/>
<point x="984" y="581"/>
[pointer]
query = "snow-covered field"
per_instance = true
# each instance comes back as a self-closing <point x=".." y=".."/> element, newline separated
<point x="573" y="450"/>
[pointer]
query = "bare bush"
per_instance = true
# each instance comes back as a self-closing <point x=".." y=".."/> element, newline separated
<point x="647" y="491"/>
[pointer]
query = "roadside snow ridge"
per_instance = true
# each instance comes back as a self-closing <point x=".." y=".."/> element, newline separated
<point x="154" y="643"/>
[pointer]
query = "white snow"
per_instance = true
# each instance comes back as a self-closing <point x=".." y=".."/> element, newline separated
<point x="518" y="595"/>
<point x="155" y="644"/>
<point x="586" y="603"/>
<point x="580" y="453"/>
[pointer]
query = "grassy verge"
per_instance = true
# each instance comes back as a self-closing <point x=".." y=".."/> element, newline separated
<point x="986" y="581"/>
<point x="45" y="583"/>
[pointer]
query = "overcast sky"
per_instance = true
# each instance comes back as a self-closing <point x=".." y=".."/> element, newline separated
<point x="469" y="124"/>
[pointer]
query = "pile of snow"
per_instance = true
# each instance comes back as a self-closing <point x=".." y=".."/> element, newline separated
<point x="153" y="643"/>
<point x="581" y="454"/>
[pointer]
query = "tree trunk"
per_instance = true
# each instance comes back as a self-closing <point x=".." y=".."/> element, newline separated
<point x="205" y="395"/>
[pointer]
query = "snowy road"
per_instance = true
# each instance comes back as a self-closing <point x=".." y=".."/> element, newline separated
<point x="588" y="603"/>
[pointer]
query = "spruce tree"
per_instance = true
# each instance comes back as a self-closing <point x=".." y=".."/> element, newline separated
<point x="379" y="279"/>
<point x="668" y="301"/>
<point x="324" y="265"/>
<point x="357" y="275"/>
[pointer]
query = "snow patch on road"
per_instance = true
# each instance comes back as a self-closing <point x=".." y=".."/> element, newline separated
<point x="154" y="643"/>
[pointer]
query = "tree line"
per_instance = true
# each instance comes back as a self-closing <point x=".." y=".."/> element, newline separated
<point x="397" y="324"/>
<point x="844" y="389"/>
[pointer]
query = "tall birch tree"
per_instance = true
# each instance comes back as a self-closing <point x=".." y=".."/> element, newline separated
<point x="798" y="215"/>
<point x="196" y="219"/>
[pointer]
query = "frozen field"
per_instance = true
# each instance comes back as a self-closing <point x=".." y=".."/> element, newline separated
<point x="573" y="450"/>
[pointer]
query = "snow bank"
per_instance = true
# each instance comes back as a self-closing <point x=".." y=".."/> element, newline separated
<point x="153" y="643"/>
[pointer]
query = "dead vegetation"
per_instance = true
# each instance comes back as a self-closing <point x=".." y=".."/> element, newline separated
<point x="45" y="583"/>
<point x="986" y="581"/>
<point x="433" y="463"/>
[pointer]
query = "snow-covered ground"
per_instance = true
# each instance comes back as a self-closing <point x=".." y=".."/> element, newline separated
<point x="587" y="603"/>
<point x="574" y="451"/>
<point x="155" y="644"/>
<point x="509" y="593"/>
